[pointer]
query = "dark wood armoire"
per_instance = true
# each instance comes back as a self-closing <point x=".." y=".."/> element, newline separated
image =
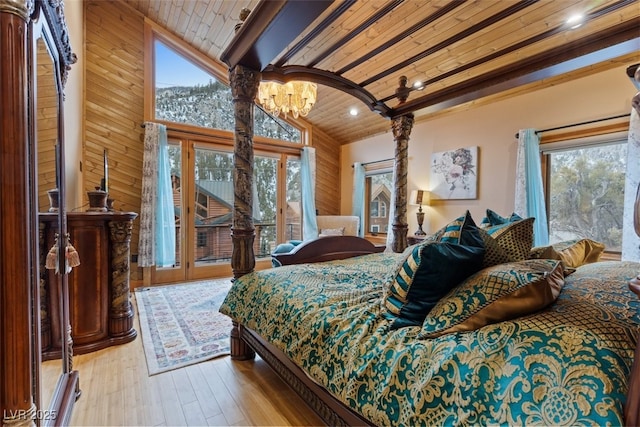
<point x="36" y="58"/>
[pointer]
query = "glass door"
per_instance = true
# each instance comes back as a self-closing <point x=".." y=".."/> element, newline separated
<point x="202" y="181"/>
<point x="177" y="272"/>
<point x="210" y="211"/>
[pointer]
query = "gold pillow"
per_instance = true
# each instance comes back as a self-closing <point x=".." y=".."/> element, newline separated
<point x="580" y="252"/>
<point x="573" y="253"/>
<point x="495" y="294"/>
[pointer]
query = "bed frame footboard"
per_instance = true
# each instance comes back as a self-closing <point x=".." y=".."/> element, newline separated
<point x="332" y="411"/>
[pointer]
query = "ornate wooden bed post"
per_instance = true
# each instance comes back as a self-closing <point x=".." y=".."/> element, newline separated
<point x="244" y="88"/>
<point x="632" y="405"/>
<point x="401" y="127"/>
<point x="17" y="406"/>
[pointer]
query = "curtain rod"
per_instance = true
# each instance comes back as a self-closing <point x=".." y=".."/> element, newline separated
<point x="579" y="124"/>
<point x="375" y="161"/>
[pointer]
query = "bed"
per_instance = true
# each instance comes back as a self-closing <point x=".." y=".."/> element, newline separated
<point x="527" y="340"/>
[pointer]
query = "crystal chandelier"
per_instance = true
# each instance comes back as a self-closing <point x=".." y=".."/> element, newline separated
<point x="295" y="98"/>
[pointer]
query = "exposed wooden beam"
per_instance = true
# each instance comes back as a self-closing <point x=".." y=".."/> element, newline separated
<point x="523" y="73"/>
<point x="333" y="16"/>
<point x="403" y="35"/>
<point x="269" y="29"/>
<point x="385" y="10"/>
<point x="515" y="8"/>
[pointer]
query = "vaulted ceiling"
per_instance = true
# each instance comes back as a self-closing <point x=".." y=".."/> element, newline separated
<point x="464" y="52"/>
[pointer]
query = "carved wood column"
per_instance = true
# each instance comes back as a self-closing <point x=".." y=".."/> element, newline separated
<point x="244" y="88"/>
<point x="401" y="127"/>
<point x="17" y="236"/>
<point x="121" y="312"/>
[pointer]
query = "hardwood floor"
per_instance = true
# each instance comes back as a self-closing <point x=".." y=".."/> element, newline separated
<point x="117" y="391"/>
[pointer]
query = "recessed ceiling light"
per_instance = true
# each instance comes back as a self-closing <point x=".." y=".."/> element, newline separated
<point x="575" y="21"/>
<point x="418" y="85"/>
<point x="353" y="111"/>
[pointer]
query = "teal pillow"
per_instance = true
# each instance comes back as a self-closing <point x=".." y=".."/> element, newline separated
<point x="282" y="248"/>
<point x="432" y="269"/>
<point x="493" y="219"/>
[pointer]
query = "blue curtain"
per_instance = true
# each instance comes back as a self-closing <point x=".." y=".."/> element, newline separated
<point x="165" y="230"/>
<point x="532" y="195"/>
<point x="308" y="178"/>
<point x="358" y="195"/>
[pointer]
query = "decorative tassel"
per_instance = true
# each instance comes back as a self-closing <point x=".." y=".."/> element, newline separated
<point x="73" y="259"/>
<point x="52" y="257"/>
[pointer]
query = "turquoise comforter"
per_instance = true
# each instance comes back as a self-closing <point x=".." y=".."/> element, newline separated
<point x="565" y="365"/>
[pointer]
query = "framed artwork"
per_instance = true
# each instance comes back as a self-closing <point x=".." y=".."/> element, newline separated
<point x="454" y="174"/>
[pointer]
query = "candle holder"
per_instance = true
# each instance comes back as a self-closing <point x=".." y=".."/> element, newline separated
<point x="54" y="200"/>
<point x="97" y="200"/>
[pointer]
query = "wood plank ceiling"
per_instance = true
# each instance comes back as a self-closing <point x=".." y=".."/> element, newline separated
<point x="465" y="52"/>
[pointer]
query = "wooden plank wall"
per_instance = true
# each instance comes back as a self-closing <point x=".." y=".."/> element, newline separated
<point x="114" y="96"/>
<point x="327" y="173"/>
<point x="47" y="129"/>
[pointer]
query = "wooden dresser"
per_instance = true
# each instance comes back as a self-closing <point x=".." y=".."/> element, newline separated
<point x="100" y="310"/>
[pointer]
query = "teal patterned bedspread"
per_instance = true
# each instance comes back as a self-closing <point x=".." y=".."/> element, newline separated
<point x="565" y="365"/>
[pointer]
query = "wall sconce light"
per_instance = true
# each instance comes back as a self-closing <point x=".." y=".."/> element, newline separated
<point x="419" y="198"/>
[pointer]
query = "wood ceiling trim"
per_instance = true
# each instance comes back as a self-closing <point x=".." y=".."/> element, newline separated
<point x="388" y="8"/>
<point x="459" y="36"/>
<point x="522" y="44"/>
<point x="599" y="47"/>
<point x="387" y="45"/>
<point x="268" y="29"/>
<point x="333" y="16"/>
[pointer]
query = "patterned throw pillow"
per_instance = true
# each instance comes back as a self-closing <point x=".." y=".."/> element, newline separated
<point x="508" y="242"/>
<point x="494" y="294"/>
<point x="430" y="270"/>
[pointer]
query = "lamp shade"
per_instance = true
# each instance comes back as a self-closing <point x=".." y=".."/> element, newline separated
<point x="632" y="70"/>
<point x="419" y="197"/>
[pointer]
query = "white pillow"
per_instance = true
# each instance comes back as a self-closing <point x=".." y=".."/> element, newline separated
<point x="331" y="232"/>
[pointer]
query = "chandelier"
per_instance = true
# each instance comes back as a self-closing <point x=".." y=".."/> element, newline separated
<point x="295" y="98"/>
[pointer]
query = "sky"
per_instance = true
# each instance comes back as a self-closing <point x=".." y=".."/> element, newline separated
<point x="173" y="70"/>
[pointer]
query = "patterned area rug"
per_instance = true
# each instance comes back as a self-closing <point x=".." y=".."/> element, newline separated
<point x="181" y="325"/>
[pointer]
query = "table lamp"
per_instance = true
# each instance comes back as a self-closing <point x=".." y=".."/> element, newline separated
<point x="419" y="198"/>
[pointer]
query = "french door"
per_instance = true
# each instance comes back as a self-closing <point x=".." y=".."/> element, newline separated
<point x="202" y="181"/>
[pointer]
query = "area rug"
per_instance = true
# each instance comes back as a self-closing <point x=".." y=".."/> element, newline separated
<point x="180" y="324"/>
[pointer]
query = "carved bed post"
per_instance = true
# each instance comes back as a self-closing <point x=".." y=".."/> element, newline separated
<point x="17" y="405"/>
<point x="244" y="88"/>
<point x="401" y="127"/>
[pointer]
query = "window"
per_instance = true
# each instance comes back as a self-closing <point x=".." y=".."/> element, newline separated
<point x="186" y="93"/>
<point x="378" y="185"/>
<point x="190" y="94"/>
<point x="585" y="190"/>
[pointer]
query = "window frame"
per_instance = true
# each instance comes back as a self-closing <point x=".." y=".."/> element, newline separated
<point x="222" y="139"/>
<point x="371" y="169"/>
<point x="154" y="32"/>
<point x="586" y="136"/>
